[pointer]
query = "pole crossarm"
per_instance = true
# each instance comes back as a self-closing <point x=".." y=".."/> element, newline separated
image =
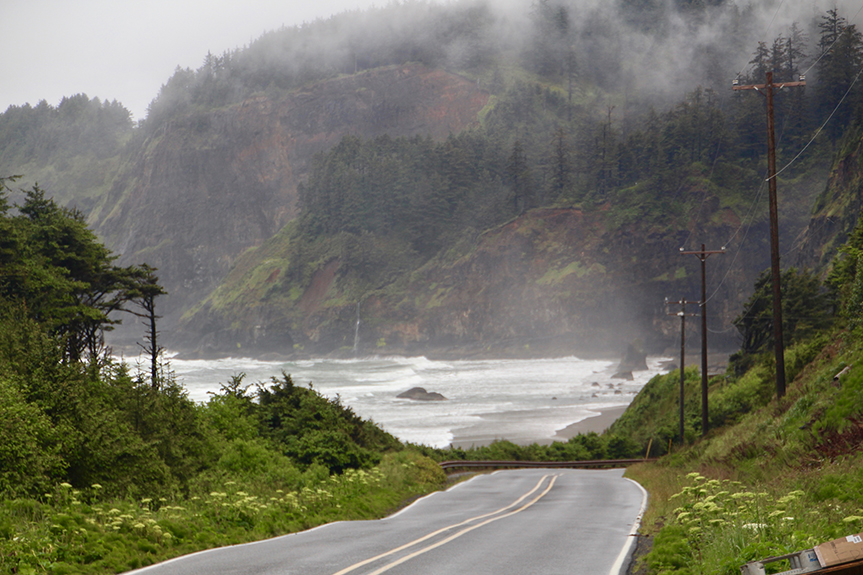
<point x="775" y="86"/>
<point x="704" y="254"/>
<point x="681" y="302"/>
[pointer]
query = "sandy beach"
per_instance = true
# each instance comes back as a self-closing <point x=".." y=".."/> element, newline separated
<point x="475" y="437"/>
<point x="597" y="424"/>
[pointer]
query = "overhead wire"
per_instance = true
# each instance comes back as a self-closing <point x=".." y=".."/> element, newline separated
<point x="704" y="193"/>
<point x="797" y="156"/>
<point x="766" y="32"/>
<point x="829" y="48"/>
<point x="758" y="195"/>
<point x="818" y="131"/>
<point x="751" y="217"/>
<point x="795" y="245"/>
<point x="716" y="156"/>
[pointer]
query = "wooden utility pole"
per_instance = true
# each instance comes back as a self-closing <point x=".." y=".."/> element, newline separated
<point x="703" y="254"/>
<point x="682" y="314"/>
<point x="778" y="343"/>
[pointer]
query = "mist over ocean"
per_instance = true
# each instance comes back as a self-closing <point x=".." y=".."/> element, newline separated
<point x="519" y="400"/>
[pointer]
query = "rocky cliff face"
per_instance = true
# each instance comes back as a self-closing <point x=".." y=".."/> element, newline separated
<point x="207" y="186"/>
<point x="836" y="211"/>
<point x="551" y="282"/>
<point x="557" y="281"/>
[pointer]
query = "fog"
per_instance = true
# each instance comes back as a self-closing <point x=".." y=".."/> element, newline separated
<point x="126" y="50"/>
<point x="647" y="51"/>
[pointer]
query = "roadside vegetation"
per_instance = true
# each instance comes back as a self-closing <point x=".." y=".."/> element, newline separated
<point x="103" y="470"/>
<point x="772" y="476"/>
<point x="783" y="476"/>
<point x="72" y="530"/>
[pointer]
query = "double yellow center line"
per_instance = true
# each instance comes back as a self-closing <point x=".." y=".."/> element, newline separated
<point x="489" y="518"/>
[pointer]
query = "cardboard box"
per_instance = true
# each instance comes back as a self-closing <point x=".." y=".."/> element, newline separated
<point x="840" y="551"/>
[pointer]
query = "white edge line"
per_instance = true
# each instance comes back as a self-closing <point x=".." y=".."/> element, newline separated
<point x="201" y="552"/>
<point x="620" y="563"/>
<point x="212" y="549"/>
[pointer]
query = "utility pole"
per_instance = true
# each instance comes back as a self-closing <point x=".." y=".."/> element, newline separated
<point x="682" y="314"/>
<point x="778" y="343"/>
<point x="703" y="254"/>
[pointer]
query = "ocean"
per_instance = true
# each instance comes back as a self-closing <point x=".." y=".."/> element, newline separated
<point x="519" y="400"/>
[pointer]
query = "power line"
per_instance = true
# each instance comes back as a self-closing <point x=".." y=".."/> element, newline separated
<point x="800" y="153"/>
<point x="761" y="187"/>
<point x="770" y="25"/>
<point x="682" y="315"/>
<point x="829" y="48"/>
<point x="742" y="241"/>
<point x="750" y="215"/>
<point x="704" y="194"/>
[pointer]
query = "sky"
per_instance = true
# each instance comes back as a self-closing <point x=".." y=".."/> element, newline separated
<point x="125" y="50"/>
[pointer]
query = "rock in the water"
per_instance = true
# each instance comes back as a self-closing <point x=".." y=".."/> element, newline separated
<point x="633" y="360"/>
<point x="420" y="394"/>
<point x="627" y="375"/>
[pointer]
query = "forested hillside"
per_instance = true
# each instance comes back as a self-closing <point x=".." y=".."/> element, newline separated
<point x="468" y="175"/>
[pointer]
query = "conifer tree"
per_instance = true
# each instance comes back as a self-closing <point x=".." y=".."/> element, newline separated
<point x="841" y="46"/>
<point x="561" y="165"/>
<point x="519" y="175"/>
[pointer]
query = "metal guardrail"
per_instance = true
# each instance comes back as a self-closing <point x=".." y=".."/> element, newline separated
<point x="445" y="465"/>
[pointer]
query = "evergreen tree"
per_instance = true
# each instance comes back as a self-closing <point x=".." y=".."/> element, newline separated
<point x="841" y="46"/>
<point x="779" y="60"/>
<point x="561" y="165"/>
<point x="795" y="51"/>
<point x="549" y="46"/>
<point x="518" y="171"/>
<point x="806" y="308"/>
<point x="796" y="116"/>
<point x="54" y="266"/>
<point x="760" y="64"/>
<point x="143" y="291"/>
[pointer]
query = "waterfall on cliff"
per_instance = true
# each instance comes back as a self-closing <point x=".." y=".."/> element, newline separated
<point x="357" y="330"/>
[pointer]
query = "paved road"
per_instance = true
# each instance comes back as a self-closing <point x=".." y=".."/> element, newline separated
<point x="531" y="521"/>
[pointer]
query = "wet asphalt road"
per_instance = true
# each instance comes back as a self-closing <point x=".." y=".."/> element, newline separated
<point x="531" y="521"/>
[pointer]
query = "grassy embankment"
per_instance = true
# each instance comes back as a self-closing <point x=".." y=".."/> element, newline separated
<point x="78" y="531"/>
<point x="773" y="477"/>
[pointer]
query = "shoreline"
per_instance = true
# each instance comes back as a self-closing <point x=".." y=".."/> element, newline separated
<point x="593" y="424"/>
